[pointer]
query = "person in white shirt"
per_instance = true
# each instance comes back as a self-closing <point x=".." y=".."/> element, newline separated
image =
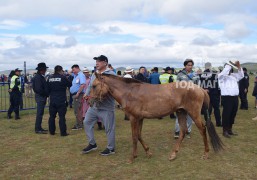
<point x="128" y="74"/>
<point x="228" y="83"/>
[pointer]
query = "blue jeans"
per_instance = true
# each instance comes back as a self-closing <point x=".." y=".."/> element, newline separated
<point x="189" y="124"/>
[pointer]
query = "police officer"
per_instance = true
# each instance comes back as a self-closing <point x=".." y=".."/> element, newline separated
<point x="209" y="82"/>
<point x="166" y="76"/>
<point x="15" y="95"/>
<point x="243" y="90"/>
<point x="57" y="85"/>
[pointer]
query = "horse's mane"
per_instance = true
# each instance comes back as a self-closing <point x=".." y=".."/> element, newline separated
<point x="126" y="80"/>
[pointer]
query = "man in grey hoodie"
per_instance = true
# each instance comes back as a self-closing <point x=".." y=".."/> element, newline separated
<point x="103" y="110"/>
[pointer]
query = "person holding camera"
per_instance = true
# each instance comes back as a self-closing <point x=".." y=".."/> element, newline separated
<point x="228" y="83"/>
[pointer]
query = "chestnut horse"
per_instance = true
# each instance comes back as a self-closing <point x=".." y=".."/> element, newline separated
<point x="141" y="100"/>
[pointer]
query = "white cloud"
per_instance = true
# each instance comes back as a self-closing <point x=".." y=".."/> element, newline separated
<point x="145" y="52"/>
<point x="177" y="11"/>
<point x="142" y="30"/>
<point x="12" y="24"/>
<point x="204" y="40"/>
<point x="160" y="32"/>
<point x="237" y="31"/>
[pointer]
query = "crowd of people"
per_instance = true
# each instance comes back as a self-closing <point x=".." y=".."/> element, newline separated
<point x="223" y="86"/>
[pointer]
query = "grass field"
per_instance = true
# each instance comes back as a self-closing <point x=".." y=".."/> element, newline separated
<point x="26" y="155"/>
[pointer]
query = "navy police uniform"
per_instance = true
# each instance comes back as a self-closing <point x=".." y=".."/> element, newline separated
<point x="243" y="90"/>
<point x="209" y="81"/>
<point x="57" y="85"/>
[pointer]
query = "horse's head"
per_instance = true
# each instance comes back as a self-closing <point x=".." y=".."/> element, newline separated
<point x="99" y="88"/>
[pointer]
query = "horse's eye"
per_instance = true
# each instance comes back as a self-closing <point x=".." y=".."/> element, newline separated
<point x="93" y="86"/>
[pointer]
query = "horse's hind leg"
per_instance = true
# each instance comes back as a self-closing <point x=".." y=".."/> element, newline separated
<point x="134" y="129"/>
<point x="146" y="148"/>
<point x="201" y="127"/>
<point x="183" y="128"/>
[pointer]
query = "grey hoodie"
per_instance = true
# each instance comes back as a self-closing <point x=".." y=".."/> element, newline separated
<point x="108" y="102"/>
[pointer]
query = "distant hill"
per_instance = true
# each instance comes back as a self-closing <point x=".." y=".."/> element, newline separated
<point x="251" y="67"/>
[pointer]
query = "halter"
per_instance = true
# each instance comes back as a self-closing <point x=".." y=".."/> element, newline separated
<point x="99" y="98"/>
<point x="101" y="80"/>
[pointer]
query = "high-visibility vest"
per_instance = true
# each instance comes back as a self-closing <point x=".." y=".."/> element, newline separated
<point x="174" y="77"/>
<point x="12" y="84"/>
<point x="164" y="78"/>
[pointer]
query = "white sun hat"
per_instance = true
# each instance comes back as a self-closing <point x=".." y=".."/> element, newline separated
<point x="232" y="64"/>
<point x="85" y="69"/>
<point x="128" y="69"/>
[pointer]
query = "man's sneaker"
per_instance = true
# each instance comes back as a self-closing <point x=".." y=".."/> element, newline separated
<point x="188" y="135"/>
<point x="89" y="148"/>
<point x="9" y="116"/>
<point x="107" y="152"/>
<point x="176" y="135"/>
<point x="254" y="119"/>
<point x="40" y="132"/>
<point x="76" y="128"/>
<point x="43" y="130"/>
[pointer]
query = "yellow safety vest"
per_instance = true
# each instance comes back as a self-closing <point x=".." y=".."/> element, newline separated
<point x="164" y="78"/>
<point x="174" y="77"/>
<point x="12" y="84"/>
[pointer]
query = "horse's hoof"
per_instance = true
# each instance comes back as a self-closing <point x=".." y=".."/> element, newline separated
<point x="204" y="157"/>
<point x="130" y="161"/>
<point x="149" y="155"/>
<point x="172" y="157"/>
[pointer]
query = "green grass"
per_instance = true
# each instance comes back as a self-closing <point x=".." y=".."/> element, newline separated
<point x="26" y="155"/>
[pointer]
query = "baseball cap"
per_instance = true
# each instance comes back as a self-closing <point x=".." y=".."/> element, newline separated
<point x="101" y="58"/>
<point x="17" y="69"/>
<point x="167" y="68"/>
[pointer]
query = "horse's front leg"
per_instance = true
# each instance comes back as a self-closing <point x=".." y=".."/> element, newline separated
<point x="134" y="129"/>
<point x="146" y="148"/>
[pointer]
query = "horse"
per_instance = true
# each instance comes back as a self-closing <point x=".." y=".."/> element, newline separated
<point x="142" y="100"/>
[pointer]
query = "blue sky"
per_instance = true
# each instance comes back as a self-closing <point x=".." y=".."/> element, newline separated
<point x="135" y="32"/>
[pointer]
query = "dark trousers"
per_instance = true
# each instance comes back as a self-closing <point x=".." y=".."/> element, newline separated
<point x="215" y="104"/>
<point x="14" y="102"/>
<point x="41" y="102"/>
<point x="230" y="106"/>
<point x="61" y="109"/>
<point x="70" y="100"/>
<point x="243" y="98"/>
<point x="21" y="102"/>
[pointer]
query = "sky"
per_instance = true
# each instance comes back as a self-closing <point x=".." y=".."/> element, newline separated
<point x="129" y="32"/>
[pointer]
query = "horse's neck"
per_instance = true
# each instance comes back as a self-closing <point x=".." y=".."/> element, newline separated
<point x="118" y="89"/>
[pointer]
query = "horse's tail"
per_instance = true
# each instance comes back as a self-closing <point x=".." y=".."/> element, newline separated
<point x="214" y="138"/>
